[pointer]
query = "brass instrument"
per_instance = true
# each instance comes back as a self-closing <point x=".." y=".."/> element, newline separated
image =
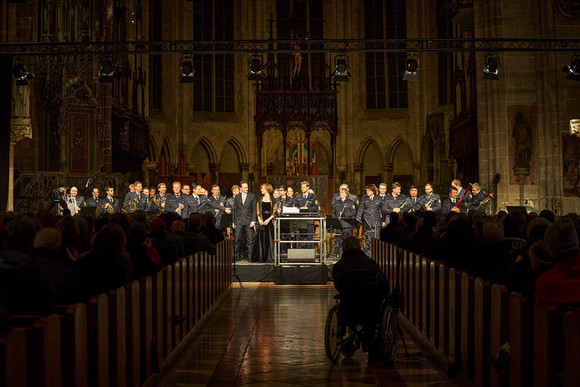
<point x="133" y="205"/>
<point x="108" y="209"/>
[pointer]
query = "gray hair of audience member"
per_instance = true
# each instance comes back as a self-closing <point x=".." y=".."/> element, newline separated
<point x="561" y="238"/>
<point x="48" y="238"/>
<point x="493" y="231"/>
<point x="351" y="243"/>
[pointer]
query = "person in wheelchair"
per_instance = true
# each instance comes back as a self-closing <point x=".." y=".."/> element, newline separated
<point x="362" y="287"/>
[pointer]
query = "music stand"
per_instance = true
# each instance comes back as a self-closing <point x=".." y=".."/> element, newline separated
<point x="88" y="211"/>
<point x="333" y="223"/>
<point x="511" y="209"/>
<point x="225" y="221"/>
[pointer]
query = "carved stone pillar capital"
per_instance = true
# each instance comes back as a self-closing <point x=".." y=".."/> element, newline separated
<point x="20" y="129"/>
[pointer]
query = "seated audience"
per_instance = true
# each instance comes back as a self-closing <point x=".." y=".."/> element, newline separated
<point x="144" y="258"/>
<point x="561" y="283"/>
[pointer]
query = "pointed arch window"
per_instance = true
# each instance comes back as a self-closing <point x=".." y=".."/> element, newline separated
<point x="213" y="89"/>
<point x="385" y="19"/>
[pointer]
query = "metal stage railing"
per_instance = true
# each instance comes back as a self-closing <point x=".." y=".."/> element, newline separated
<point x="291" y="249"/>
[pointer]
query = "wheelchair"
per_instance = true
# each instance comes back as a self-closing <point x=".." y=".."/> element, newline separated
<point x="353" y="323"/>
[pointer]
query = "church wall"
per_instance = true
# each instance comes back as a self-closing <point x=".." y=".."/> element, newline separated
<point x="533" y="85"/>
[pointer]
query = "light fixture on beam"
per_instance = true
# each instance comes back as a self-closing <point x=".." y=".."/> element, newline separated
<point x="342" y="69"/>
<point x="411" y="68"/>
<point x="107" y="71"/>
<point x="573" y="69"/>
<point x="187" y="70"/>
<point x="256" y="68"/>
<point x="491" y="69"/>
<point x="21" y="74"/>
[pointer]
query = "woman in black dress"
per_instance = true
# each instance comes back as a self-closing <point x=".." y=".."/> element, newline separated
<point x="264" y="247"/>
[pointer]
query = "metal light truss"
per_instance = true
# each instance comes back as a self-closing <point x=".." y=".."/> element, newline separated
<point x="285" y="46"/>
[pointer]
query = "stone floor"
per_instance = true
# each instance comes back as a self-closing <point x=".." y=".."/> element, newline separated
<point x="273" y="335"/>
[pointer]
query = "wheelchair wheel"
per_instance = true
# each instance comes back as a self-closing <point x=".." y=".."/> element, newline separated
<point x="333" y="335"/>
<point x="389" y="334"/>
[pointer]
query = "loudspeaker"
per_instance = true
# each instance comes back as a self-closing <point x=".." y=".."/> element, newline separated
<point x="301" y="255"/>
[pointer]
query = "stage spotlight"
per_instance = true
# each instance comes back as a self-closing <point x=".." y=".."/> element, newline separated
<point x="491" y="69"/>
<point x="22" y="76"/>
<point x="187" y="71"/>
<point x="573" y="69"/>
<point x="411" y="68"/>
<point x="342" y="69"/>
<point x="107" y="71"/>
<point x="256" y="69"/>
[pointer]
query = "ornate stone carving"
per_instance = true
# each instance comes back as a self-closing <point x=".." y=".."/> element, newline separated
<point x="568" y="8"/>
<point x="575" y="127"/>
<point x="20" y="129"/>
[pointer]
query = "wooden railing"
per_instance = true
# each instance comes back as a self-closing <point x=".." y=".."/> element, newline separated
<point x="468" y="319"/>
<point x="121" y="338"/>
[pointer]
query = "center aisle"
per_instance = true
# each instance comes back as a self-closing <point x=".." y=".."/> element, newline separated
<point x="273" y="335"/>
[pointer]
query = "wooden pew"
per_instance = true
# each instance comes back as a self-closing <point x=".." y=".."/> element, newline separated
<point x="146" y="302"/>
<point x="433" y="302"/>
<point x="521" y="316"/>
<point x="499" y="329"/>
<point x="158" y="321"/>
<point x="13" y="358"/>
<point x="133" y="333"/>
<point x="74" y="344"/>
<point x="98" y="341"/>
<point x="547" y="344"/>
<point x="482" y="332"/>
<point x="467" y="324"/>
<point x="443" y="313"/>
<point x="43" y="348"/>
<point x="425" y="297"/>
<point x="117" y="337"/>
<point x="571" y="349"/>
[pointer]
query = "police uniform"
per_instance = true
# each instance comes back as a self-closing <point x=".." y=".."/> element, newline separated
<point x="369" y="213"/>
<point x="172" y="202"/>
<point x="390" y="203"/>
<point x="344" y="209"/>
<point x="92" y="202"/>
<point x="113" y="202"/>
<point x="477" y="201"/>
<point x="217" y="204"/>
<point x="449" y="203"/>
<point x="413" y="204"/>
<point x="432" y="201"/>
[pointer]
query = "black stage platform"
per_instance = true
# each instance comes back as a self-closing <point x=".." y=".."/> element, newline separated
<point x="284" y="275"/>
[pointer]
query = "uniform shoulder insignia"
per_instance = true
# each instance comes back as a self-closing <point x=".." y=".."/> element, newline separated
<point x="439" y="200"/>
<point x="353" y="206"/>
<point x="316" y="202"/>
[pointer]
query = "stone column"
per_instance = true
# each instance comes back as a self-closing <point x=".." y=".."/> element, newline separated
<point x="20" y="129"/>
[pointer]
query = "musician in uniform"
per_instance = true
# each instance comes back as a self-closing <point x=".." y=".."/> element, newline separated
<point x="307" y="200"/>
<point x="478" y="199"/>
<point x="344" y="209"/>
<point x="93" y="201"/>
<point x="175" y="201"/>
<point x="461" y="192"/>
<point x="161" y="196"/>
<point x="148" y="204"/>
<point x="187" y="198"/>
<point x="393" y="202"/>
<point x="109" y="202"/>
<point x="336" y="196"/>
<point x="383" y="194"/>
<point x="413" y="201"/>
<point x="369" y="213"/>
<point x="134" y="199"/>
<point x="430" y="201"/>
<point x="451" y="204"/>
<point x="74" y="202"/>
<point x="217" y="204"/>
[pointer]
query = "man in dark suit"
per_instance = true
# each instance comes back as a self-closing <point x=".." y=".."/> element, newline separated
<point x="217" y="204"/>
<point x="245" y="218"/>
<point x="109" y="201"/>
<point x="175" y="201"/>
